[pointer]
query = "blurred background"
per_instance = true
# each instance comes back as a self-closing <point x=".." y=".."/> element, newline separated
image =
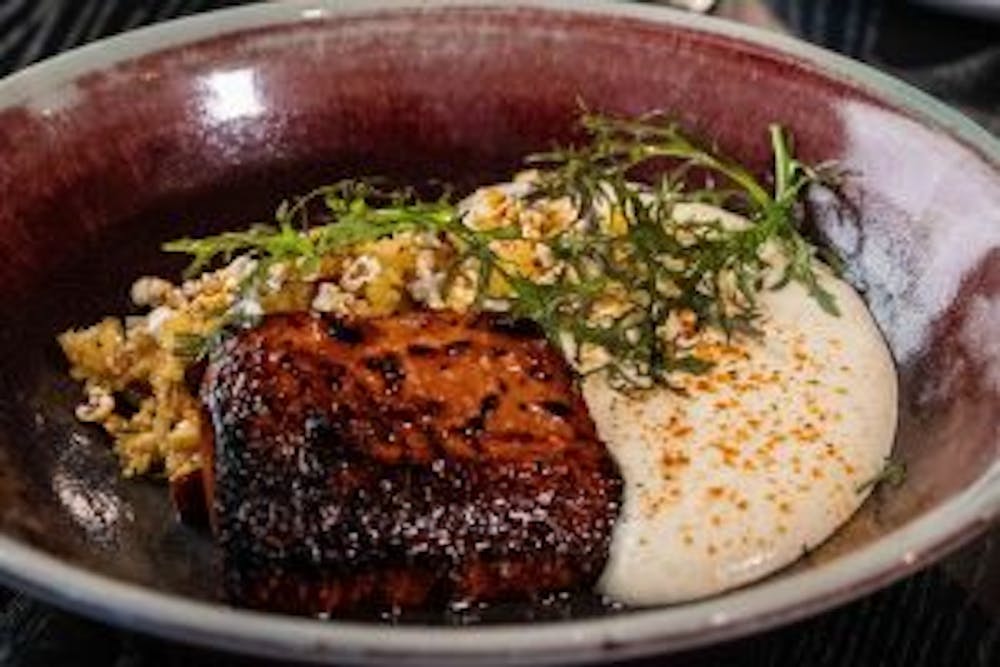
<point x="950" y="48"/>
<point x="948" y="615"/>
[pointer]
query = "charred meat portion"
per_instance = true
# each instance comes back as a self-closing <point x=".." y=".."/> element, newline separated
<point x="401" y="461"/>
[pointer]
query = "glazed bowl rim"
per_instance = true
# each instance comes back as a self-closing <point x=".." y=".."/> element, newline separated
<point x="754" y="608"/>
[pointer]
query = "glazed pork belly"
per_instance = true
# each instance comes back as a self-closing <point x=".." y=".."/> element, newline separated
<point x="402" y="461"/>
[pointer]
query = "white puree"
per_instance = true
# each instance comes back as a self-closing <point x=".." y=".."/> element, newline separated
<point x="762" y="460"/>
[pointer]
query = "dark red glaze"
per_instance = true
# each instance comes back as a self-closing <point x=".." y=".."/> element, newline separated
<point x="95" y="174"/>
<point x="400" y="462"/>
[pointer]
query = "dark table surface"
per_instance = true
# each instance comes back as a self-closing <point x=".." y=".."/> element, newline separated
<point x="948" y="614"/>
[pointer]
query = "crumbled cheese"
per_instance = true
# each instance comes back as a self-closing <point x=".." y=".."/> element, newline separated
<point x="150" y="291"/>
<point x="248" y="307"/>
<point x="239" y="269"/>
<point x="463" y="288"/>
<point x="567" y="344"/>
<point x="548" y="268"/>
<point x="729" y="291"/>
<point x="547" y="218"/>
<point x="680" y="327"/>
<point x="527" y="177"/>
<point x="157" y="318"/>
<point x="591" y="358"/>
<point x="359" y="272"/>
<point x="491" y="208"/>
<point x="426" y="286"/>
<point x="776" y="260"/>
<point x="496" y="305"/>
<point x="330" y="298"/>
<point x="99" y="406"/>
<point x="610" y="306"/>
<point x="277" y="274"/>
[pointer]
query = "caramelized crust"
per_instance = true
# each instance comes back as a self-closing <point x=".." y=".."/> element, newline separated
<point x="401" y="461"/>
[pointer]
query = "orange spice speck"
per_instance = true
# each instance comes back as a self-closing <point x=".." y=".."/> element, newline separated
<point x="672" y="459"/>
<point x="682" y="431"/>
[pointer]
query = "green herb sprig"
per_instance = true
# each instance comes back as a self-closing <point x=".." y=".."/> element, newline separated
<point x="692" y="258"/>
<point x="350" y="212"/>
<point x="326" y="220"/>
<point x="659" y="264"/>
<point x="892" y="473"/>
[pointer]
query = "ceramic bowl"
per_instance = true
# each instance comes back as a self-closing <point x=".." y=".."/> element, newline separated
<point x="209" y="121"/>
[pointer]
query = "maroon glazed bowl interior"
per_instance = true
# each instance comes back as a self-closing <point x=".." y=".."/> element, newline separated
<point x="107" y="153"/>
